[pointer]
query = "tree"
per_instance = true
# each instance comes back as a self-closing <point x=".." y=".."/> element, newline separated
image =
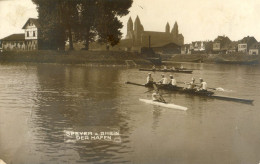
<point x="52" y="33"/>
<point x="107" y="23"/>
<point x="89" y="20"/>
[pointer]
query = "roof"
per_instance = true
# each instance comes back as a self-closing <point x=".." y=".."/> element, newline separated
<point x="255" y="46"/>
<point x="34" y="21"/>
<point x="232" y="45"/>
<point x="14" y="37"/>
<point x="248" y="39"/>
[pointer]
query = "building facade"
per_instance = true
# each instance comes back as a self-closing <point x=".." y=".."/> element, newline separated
<point x="14" y="42"/>
<point x="31" y="29"/>
<point x="138" y="37"/>
<point x="246" y="43"/>
<point x="254" y="49"/>
<point x="27" y="41"/>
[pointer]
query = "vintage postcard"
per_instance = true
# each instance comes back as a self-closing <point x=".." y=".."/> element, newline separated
<point x="129" y="81"/>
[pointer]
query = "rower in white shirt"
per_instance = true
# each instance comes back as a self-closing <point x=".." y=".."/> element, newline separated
<point x="191" y="85"/>
<point x="172" y="81"/>
<point x="149" y="79"/>
<point x="203" y="85"/>
<point x="164" y="67"/>
<point x="163" y="80"/>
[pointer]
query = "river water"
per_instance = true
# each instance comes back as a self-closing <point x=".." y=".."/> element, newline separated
<point x="38" y="103"/>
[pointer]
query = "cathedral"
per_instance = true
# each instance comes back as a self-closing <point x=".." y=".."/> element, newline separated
<point x="138" y="37"/>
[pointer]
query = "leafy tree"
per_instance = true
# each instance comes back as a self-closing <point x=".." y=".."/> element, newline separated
<point x="107" y="23"/>
<point x="89" y="20"/>
<point x="52" y="33"/>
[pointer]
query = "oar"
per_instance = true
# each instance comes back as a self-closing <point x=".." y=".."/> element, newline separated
<point x="149" y="91"/>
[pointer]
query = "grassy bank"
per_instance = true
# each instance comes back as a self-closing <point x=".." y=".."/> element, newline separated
<point x="73" y="57"/>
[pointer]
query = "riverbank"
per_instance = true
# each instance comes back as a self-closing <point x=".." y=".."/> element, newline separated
<point x="215" y="58"/>
<point x="75" y="57"/>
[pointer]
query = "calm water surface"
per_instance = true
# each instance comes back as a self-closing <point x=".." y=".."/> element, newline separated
<point x="39" y="102"/>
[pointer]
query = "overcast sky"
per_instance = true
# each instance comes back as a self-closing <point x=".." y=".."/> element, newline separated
<point x="197" y="19"/>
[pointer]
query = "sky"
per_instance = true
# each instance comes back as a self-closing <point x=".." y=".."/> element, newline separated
<point x="198" y="20"/>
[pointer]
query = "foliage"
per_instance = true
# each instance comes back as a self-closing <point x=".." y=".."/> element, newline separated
<point x="86" y="20"/>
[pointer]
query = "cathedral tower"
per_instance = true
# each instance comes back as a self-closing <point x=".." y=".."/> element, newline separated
<point x="138" y="30"/>
<point x="130" y="28"/>
<point x="175" y="32"/>
<point x="167" y="28"/>
<point x="130" y="25"/>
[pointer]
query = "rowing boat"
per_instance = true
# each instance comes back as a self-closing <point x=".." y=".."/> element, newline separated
<point x="176" y="89"/>
<point x="208" y="94"/>
<point x="166" y="70"/>
<point x="166" y="105"/>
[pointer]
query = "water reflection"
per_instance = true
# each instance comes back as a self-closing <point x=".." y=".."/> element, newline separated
<point x="70" y="97"/>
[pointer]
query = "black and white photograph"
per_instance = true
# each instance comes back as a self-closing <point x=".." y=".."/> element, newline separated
<point x="129" y="82"/>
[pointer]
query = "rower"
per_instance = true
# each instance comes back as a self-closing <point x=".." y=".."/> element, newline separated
<point x="172" y="81"/>
<point x="202" y="86"/>
<point x="163" y="80"/>
<point x="181" y="66"/>
<point x="153" y="68"/>
<point x="173" y="68"/>
<point x="191" y="85"/>
<point x="157" y="97"/>
<point x="164" y="67"/>
<point x="149" y="79"/>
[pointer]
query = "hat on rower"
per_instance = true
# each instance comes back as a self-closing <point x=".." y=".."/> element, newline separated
<point x="149" y="73"/>
<point x="192" y="78"/>
<point x="162" y="75"/>
<point x="201" y="79"/>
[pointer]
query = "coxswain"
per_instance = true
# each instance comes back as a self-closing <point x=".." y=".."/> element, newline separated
<point x="157" y="97"/>
<point x="203" y="85"/>
<point x="191" y="85"/>
<point x="163" y="80"/>
<point x="172" y="81"/>
<point x="149" y="80"/>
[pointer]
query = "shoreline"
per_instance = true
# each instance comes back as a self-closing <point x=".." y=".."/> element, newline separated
<point x="74" y="57"/>
<point x="215" y="58"/>
<point x="120" y="58"/>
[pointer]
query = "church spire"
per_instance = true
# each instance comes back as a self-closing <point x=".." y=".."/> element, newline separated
<point x="175" y="30"/>
<point x="130" y="24"/>
<point x="137" y="23"/>
<point x="167" y="28"/>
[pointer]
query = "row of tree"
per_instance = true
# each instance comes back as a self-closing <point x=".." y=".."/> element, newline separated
<point x="81" y="20"/>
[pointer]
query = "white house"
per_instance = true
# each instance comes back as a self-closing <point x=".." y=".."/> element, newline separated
<point x="254" y="49"/>
<point x="31" y="29"/>
<point x="27" y="41"/>
<point x="242" y="47"/>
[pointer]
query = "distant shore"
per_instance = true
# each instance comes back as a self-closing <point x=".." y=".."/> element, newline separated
<point x="214" y="58"/>
<point x="74" y="57"/>
<point x="118" y="57"/>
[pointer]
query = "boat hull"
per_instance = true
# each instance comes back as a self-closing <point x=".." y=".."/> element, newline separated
<point x="166" y="105"/>
<point x="167" y="70"/>
<point x="208" y="94"/>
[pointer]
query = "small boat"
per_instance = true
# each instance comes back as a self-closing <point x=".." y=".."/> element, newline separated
<point x="166" y="105"/>
<point x="167" y="70"/>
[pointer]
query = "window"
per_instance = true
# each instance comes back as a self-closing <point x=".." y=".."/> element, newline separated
<point x="27" y="33"/>
<point x="33" y="33"/>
